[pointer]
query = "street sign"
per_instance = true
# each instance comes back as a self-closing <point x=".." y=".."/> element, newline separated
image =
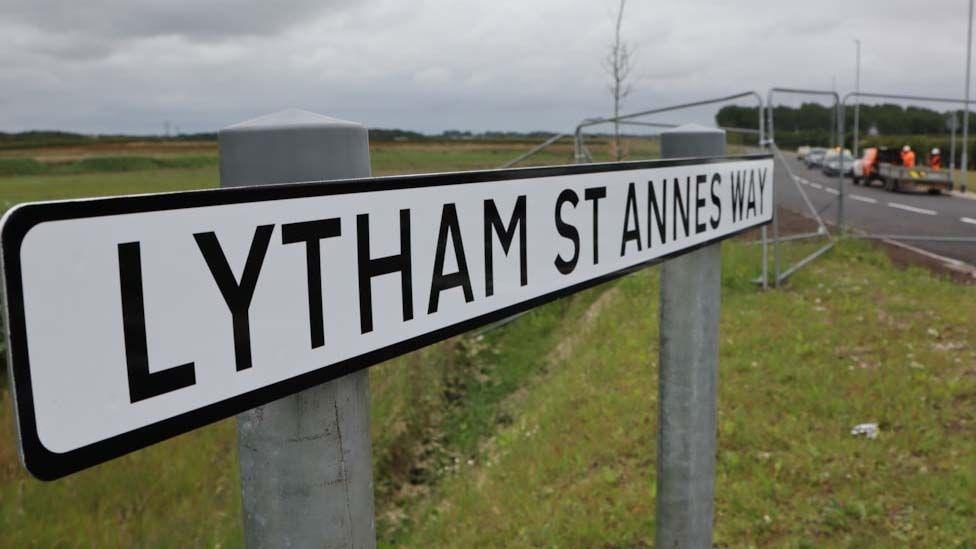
<point x="134" y="319"/>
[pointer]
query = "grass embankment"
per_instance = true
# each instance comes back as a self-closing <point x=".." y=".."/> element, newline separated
<point x="851" y="340"/>
<point x="430" y="411"/>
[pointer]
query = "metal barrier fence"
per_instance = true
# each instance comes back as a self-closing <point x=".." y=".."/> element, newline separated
<point x="581" y="154"/>
<point x="840" y="112"/>
<point x="534" y="150"/>
<point x="766" y="138"/>
<point x="822" y="230"/>
<point x="778" y="276"/>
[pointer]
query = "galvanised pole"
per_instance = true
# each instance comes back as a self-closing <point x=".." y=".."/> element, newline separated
<point x="770" y="132"/>
<point x="965" y="117"/>
<point x="762" y="232"/>
<point x="305" y="460"/>
<point x="953" y="124"/>
<point x="857" y="106"/>
<point x="690" y="299"/>
<point x="833" y="123"/>
<point x="840" y="169"/>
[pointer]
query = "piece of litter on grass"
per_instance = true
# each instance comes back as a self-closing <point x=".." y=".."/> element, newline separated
<point x="869" y="430"/>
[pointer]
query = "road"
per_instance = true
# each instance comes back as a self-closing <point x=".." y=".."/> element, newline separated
<point x="876" y="211"/>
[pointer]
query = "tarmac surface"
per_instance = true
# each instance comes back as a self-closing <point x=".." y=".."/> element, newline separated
<point x="872" y="210"/>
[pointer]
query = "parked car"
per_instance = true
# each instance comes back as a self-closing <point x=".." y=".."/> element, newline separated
<point x="831" y="162"/>
<point x="814" y="158"/>
<point x="801" y="152"/>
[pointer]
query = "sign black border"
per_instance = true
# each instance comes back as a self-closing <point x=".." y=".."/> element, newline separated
<point x="47" y="465"/>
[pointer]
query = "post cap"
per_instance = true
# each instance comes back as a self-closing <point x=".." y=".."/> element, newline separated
<point x="289" y="118"/>
<point x="693" y="128"/>
<point x="692" y="140"/>
<point x="290" y="146"/>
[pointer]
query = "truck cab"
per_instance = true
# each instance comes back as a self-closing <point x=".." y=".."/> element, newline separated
<point x="865" y="169"/>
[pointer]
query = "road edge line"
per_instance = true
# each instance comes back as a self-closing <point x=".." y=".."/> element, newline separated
<point x="953" y="264"/>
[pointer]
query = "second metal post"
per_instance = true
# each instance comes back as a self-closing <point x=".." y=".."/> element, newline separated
<point x="688" y="375"/>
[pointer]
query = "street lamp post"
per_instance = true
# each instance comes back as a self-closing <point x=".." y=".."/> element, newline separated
<point x="953" y="126"/>
<point x="857" y="99"/>
<point x="965" y="116"/>
<point x="833" y="119"/>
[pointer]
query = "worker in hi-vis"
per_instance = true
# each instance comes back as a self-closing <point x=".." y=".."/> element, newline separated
<point x="907" y="157"/>
<point x="935" y="159"/>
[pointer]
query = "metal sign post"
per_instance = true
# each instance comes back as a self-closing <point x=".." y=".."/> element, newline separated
<point x="305" y="460"/>
<point x="690" y="297"/>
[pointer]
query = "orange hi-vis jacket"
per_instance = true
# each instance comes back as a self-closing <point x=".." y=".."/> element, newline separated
<point x="908" y="159"/>
<point x="935" y="162"/>
<point x="870" y="161"/>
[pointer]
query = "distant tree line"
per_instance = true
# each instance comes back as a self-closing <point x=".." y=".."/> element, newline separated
<point x="880" y="125"/>
<point x="888" y="119"/>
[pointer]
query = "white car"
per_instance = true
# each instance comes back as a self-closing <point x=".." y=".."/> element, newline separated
<point x="831" y="162"/>
<point x="801" y="152"/>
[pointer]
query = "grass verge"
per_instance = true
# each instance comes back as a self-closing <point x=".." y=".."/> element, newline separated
<point x="851" y="340"/>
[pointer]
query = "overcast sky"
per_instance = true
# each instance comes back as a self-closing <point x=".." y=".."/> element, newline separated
<point x="129" y="66"/>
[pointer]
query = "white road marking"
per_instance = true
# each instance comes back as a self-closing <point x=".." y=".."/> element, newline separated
<point x="911" y="208"/>
<point x="832" y="191"/>
<point x="816" y="185"/>
<point x="867" y="199"/>
<point x="949" y="262"/>
<point x="968" y="220"/>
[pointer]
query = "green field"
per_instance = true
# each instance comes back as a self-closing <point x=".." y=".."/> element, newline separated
<point x="74" y="172"/>
<point x="542" y="432"/>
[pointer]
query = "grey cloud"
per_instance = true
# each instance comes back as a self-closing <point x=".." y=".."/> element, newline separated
<point x="506" y="64"/>
<point x="86" y="30"/>
<point x="146" y="18"/>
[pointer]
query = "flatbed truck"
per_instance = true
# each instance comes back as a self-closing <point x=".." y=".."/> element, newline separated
<point x="884" y="165"/>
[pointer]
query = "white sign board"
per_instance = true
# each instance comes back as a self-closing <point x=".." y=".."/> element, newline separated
<point x="134" y="319"/>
